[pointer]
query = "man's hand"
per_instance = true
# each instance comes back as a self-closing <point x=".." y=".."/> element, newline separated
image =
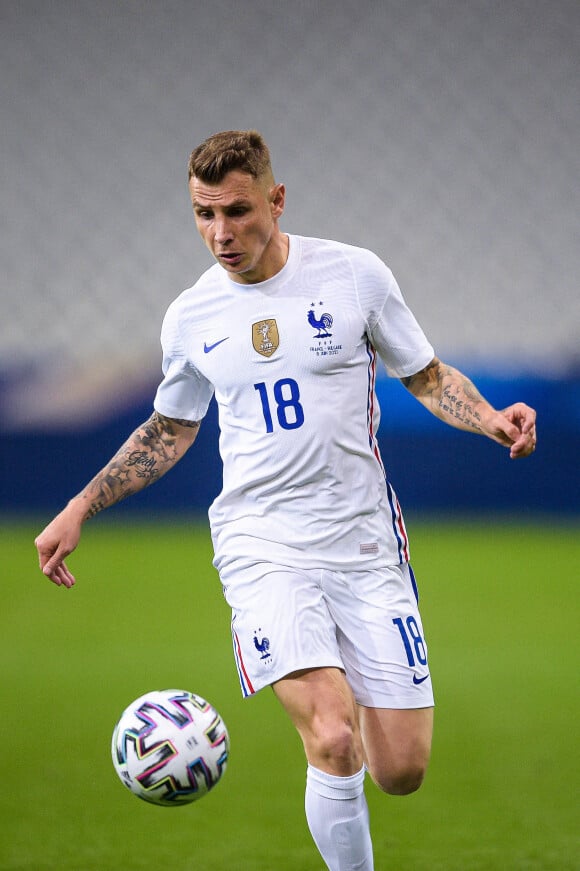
<point x="56" y="542"/>
<point x="516" y="428"/>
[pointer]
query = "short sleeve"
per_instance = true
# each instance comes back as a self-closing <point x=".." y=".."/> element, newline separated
<point x="184" y="393"/>
<point x="392" y="327"/>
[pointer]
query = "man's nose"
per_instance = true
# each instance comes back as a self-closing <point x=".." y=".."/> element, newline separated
<point x="222" y="230"/>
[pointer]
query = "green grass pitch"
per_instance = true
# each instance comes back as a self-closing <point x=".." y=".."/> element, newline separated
<point x="147" y="613"/>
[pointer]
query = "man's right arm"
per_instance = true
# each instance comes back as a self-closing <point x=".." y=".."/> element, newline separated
<point x="154" y="448"/>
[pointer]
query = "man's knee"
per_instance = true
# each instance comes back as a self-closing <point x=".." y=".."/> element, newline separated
<point x="397" y="747"/>
<point x="401" y="779"/>
<point x="336" y="742"/>
<point x="322" y="707"/>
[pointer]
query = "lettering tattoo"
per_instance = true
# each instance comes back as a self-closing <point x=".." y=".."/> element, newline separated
<point x="462" y="410"/>
<point x="143" y="463"/>
<point x="153" y="449"/>
<point x="449" y="394"/>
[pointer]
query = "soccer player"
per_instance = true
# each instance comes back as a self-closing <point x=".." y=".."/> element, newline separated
<point x="309" y="538"/>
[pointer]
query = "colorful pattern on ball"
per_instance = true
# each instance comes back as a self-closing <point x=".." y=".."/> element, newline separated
<point x="170" y="747"/>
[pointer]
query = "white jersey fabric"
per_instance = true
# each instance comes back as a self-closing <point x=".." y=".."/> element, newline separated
<point x="292" y="363"/>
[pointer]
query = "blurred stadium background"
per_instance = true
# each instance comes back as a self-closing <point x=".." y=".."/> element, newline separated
<point x="441" y="134"/>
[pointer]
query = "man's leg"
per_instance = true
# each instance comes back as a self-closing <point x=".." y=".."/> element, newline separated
<point x="397" y="746"/>
<point x="321" y="705"/>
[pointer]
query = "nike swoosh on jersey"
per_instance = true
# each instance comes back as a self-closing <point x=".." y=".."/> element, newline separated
<point x="418" y="680"/>
<point x="207" y="348"/>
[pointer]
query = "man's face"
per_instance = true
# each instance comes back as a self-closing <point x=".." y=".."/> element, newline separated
<point x="237" y="220"/>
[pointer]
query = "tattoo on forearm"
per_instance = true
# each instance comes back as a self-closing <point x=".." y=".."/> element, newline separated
<point x="95" y="507"/>
<point x="144" y="464"/>
<point x="448" y="393"/>
<point x="464" y="411"/>
<point x="148" y="453"/>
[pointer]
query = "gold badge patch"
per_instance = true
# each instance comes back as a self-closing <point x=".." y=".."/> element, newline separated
<point x="265" y="338"/>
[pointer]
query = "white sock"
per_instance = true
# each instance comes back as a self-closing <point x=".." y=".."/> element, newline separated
<point x="338" y="819"/>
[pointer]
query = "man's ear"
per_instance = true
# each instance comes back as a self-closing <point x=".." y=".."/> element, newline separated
<point x="277" y="199"/>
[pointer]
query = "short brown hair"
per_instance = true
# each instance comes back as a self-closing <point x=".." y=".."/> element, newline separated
<point x="221" y="153"/>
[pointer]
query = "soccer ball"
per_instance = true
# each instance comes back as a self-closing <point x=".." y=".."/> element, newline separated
<point x="170" y="747"/>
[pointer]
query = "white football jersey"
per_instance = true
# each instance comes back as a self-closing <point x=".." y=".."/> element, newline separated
<point x="292" y="363"/>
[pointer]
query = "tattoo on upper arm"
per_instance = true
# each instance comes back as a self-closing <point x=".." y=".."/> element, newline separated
<point x="168" y="421"/>
<point x="426" y="380"/>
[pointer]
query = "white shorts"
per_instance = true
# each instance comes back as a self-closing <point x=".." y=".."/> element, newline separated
<point x="366" y="623"/>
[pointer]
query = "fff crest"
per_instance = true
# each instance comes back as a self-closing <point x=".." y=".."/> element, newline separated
<point x="265" y="337"/>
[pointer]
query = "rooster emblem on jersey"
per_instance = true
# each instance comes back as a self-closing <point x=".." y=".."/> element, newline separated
<point x="321" y="324"/>
<point x="262" y="646"/>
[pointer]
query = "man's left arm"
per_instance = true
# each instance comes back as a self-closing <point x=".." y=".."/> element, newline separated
<point x="450" y="395"/>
